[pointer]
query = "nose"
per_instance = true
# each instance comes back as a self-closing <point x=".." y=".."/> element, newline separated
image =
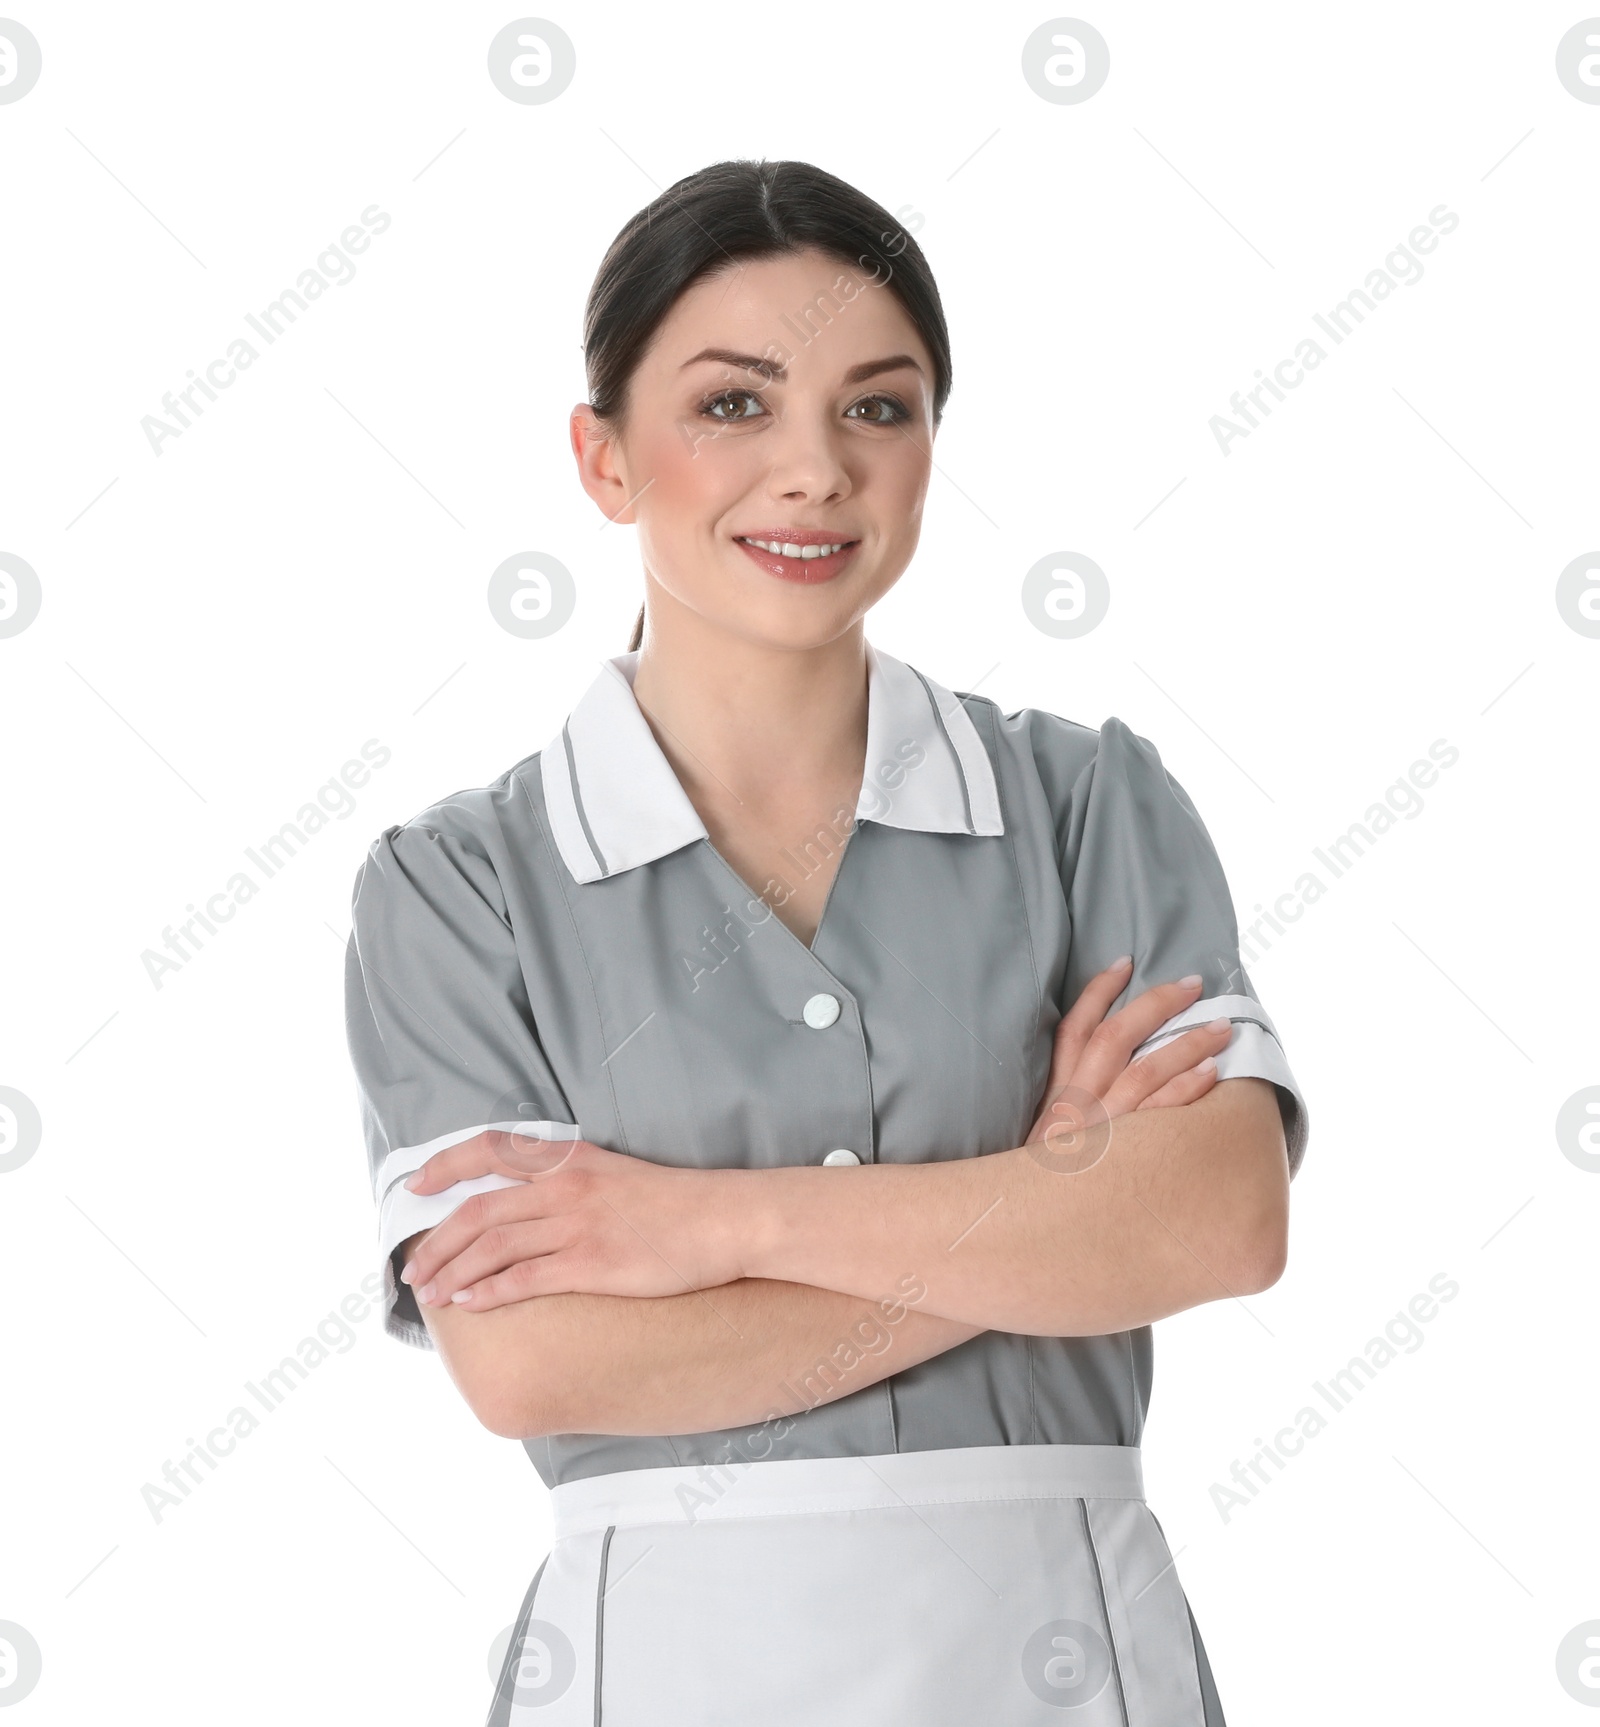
<point x="808" y="460"/>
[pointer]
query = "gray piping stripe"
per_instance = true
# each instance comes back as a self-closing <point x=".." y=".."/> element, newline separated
<point x="949" y="744"/>
<point x="577" y="803"/>
<point x="1233" y="1018"/>
<point x="1105" y="1610"/>
<point x="600" y="1619"/>
<point x="505" y="1688"/>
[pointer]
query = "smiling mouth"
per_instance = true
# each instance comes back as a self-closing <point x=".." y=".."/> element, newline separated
<point x="792" y="549"/>
<point x="810" y="558"/>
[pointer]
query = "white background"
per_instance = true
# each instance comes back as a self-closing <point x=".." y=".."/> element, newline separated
<point x="224" y="624"/>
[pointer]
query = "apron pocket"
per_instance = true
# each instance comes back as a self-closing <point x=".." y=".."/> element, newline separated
<point x="1010" y="1611"/>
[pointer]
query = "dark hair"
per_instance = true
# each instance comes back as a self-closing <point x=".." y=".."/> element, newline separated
<point x="730" y="211"/>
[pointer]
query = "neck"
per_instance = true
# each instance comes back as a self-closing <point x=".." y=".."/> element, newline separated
<point x="750" y="715"/>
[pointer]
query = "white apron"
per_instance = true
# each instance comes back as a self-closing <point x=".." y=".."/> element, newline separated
<point x="1013" y="1584"/>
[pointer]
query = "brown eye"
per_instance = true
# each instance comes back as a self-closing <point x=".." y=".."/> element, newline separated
<point x="888" y="412"/>
<point x="713" y="403"/>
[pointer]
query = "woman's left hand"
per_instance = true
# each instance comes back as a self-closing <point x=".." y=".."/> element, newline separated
<point x="582" y="1219"/>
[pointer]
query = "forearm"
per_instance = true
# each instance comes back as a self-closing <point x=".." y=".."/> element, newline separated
<point x="692" y="1363"/>
<point x="1184" y="1206"/>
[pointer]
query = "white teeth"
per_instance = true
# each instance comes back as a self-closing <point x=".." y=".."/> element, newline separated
<point x="787" y="549"/>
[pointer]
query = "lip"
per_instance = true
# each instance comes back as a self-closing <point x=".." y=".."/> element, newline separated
<point x="803" y="570"/>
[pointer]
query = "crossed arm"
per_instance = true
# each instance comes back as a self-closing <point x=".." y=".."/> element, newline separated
<point x="614" y="1295"/>
<point x="691" y="1363"/>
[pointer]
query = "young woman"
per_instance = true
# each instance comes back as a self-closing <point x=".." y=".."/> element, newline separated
<point x="792" y="1094"/>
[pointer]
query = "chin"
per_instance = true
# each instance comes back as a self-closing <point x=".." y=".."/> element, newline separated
<point x="796" y="635"/>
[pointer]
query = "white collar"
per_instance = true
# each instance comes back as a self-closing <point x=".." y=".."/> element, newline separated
<point x="615" y="802"/>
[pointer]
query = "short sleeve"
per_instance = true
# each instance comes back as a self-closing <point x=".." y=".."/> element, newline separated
<point x="440" y="1030"/>
<point x="1143" y="878"/>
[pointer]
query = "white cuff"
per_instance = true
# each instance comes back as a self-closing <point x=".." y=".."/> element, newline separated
<point x="1254" y="1052"/>
<point x="402" y="1213"/>
<point x="404" y="1159"/>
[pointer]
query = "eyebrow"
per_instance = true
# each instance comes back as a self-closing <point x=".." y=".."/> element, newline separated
<point x="771" y="369"/>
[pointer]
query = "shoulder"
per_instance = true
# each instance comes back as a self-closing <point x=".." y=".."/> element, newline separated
<point x="477" y="812"/>
<point x="472" y="832"/>
<point x="1065" y="757"/>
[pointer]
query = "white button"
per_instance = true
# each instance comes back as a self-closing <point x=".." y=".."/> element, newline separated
<point x="821" y="1011"/>
<point x="841" y="1157"/>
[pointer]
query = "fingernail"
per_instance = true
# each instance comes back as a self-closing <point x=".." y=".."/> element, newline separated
<point x="462" y="1295"/>
<point x="1218" y="1024"/>
<point x="1207" y="1066"/>
<point x="412" y="1180"/>
<point x="1118" y="964"/>
<point x="1191" y="980"/>
<point x="425" y="1293"/>
<point x="407" y="1275"/>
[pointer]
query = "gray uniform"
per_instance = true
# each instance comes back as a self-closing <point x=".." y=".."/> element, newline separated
<point x="565" y="951"/>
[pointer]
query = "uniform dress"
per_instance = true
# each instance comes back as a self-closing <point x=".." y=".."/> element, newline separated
<point x="565" y="953"/>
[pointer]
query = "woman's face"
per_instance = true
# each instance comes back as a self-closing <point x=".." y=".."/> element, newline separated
<point x="785" y="400"/>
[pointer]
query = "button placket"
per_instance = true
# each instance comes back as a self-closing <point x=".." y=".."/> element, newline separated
<point x="822" y="1011"/>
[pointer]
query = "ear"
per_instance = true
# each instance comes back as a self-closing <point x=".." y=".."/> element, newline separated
<point x="600" y="470"/>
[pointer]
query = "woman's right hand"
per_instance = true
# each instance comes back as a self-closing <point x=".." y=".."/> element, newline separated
<point x="1093" y="1076"/>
